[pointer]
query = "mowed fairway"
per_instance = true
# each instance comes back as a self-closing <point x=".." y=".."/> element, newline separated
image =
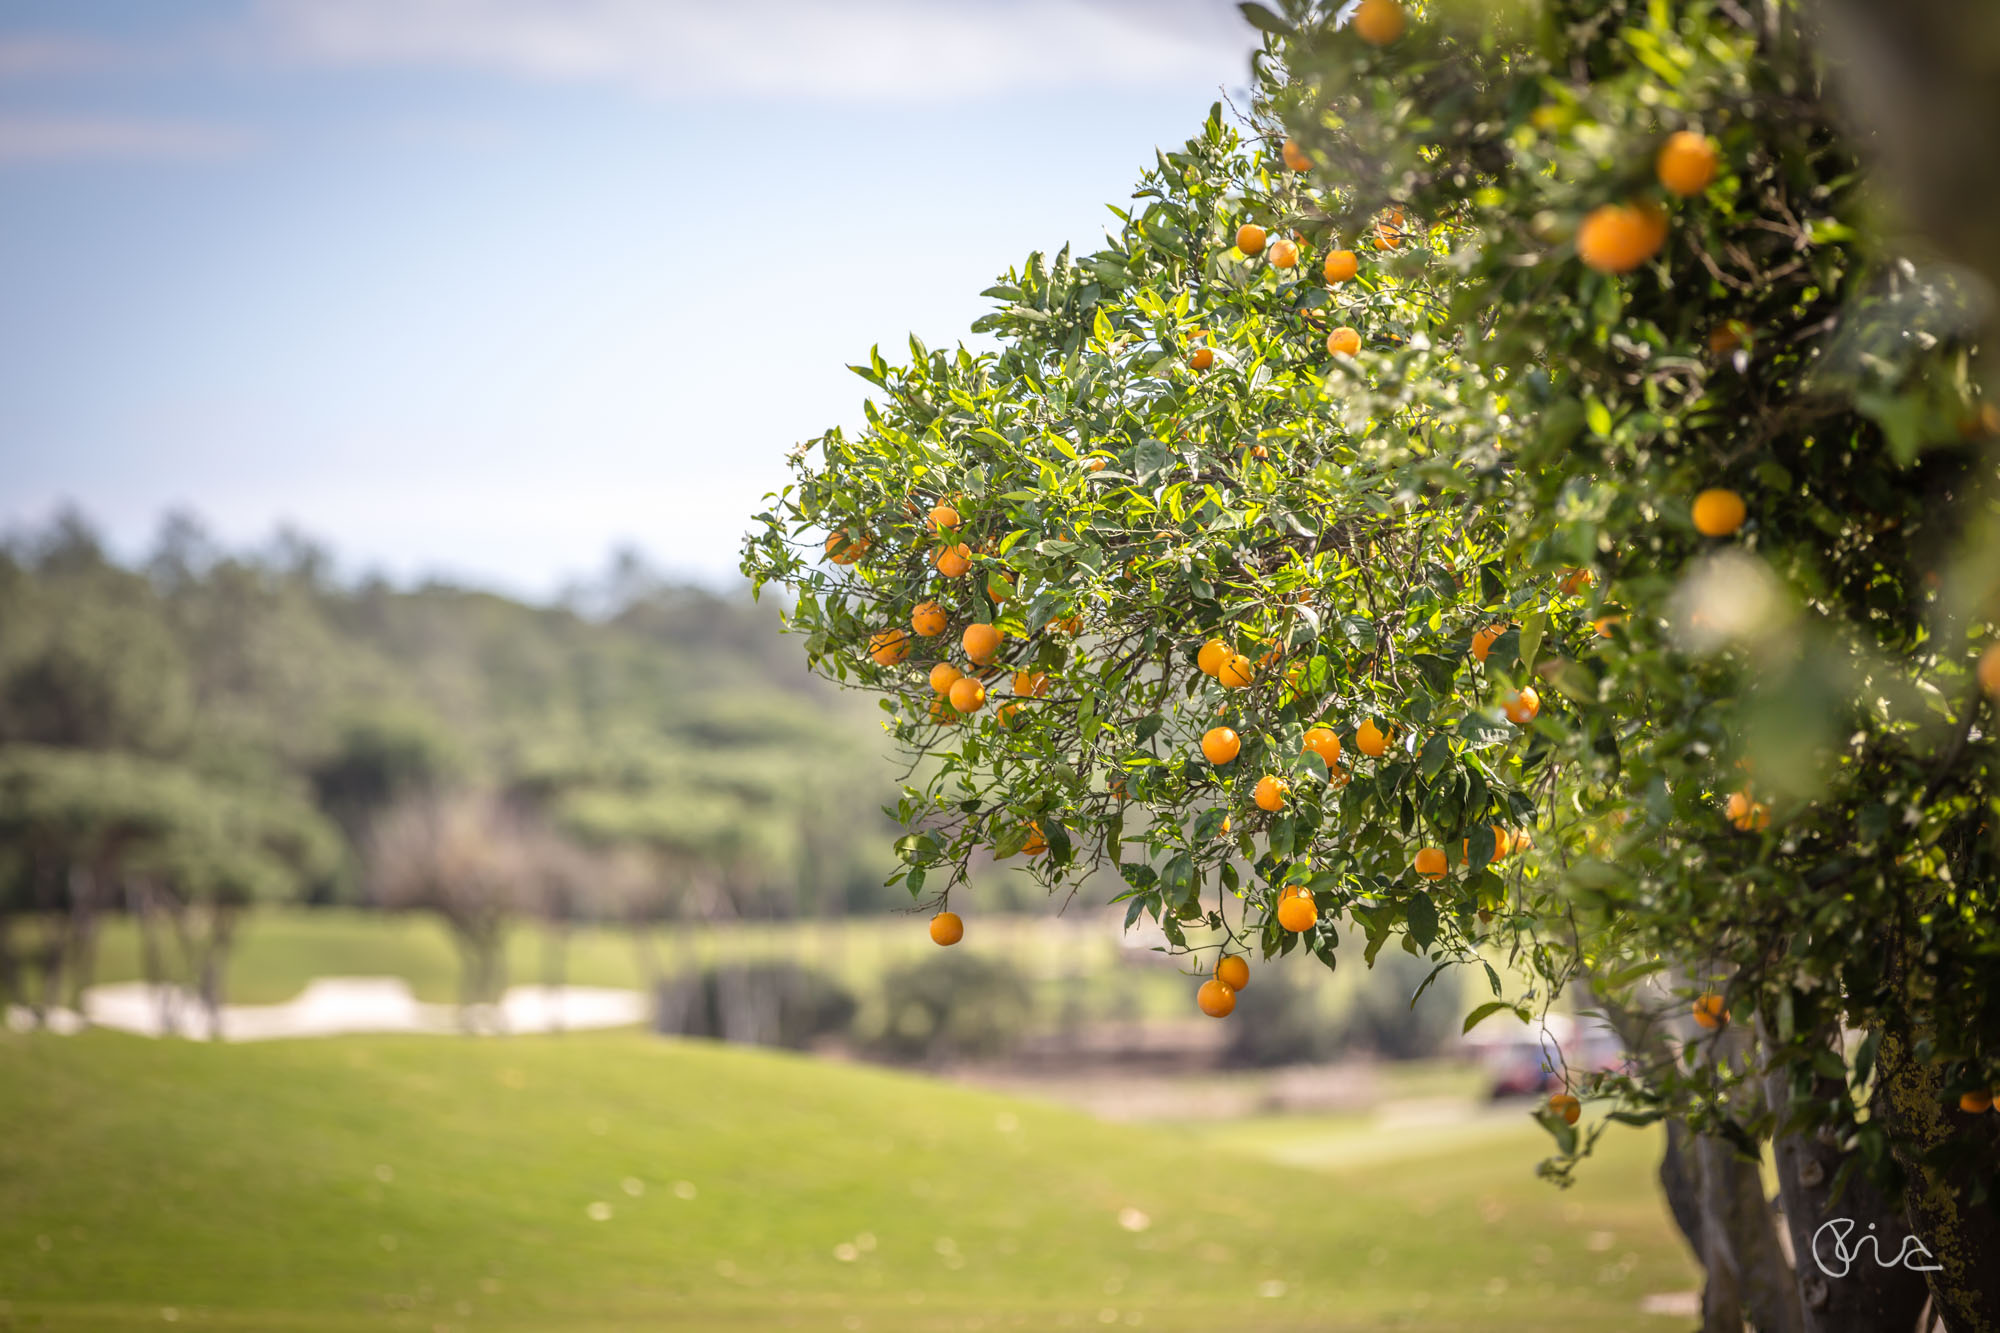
<point x="618" y="1181"/>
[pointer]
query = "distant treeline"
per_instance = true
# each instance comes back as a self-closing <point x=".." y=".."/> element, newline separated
<point x="209" y="729"/>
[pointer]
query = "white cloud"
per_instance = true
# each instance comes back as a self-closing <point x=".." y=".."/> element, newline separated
<point x="26" y="138"/>
<point x="896" y="50"/>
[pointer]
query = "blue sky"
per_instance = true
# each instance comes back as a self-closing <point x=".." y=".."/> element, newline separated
<point x="482" y="288"/>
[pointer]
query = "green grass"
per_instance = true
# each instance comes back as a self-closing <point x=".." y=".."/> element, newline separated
<point x="445" y="1184"/>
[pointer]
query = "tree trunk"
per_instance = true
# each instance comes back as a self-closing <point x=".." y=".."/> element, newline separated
<point x="55" y="949"/>
<point x="11" y="977"/>
<point x="215" y="965"/>
<point x="468" y="977"/>
<point x="142" y="900"/>
<point x="80" y="965"/>
<point x="496" y="972"/>
<point x="1717" y="1200"/>
<point x="1868" y="1297"/>
<point x="1740" y="1240"/>
<point x="1936" y="1145"/>
<point x="555" y="949"/>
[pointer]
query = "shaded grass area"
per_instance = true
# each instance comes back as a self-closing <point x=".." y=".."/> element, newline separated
<point x="614" y="1181"/>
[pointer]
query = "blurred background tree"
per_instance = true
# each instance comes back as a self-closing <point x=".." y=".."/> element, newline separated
<point x="210" y="729"/>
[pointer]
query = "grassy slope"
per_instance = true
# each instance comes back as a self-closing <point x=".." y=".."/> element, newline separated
<point x="445" y="1184"/>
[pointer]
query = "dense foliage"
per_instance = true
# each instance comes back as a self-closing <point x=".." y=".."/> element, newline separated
<point x="1528" y="397"/>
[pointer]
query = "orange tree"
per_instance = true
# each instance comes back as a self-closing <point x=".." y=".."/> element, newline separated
<point x="1530" y="513"/>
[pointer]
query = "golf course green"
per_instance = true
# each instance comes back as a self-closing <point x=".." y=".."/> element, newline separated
<point x="618" y="1181"/>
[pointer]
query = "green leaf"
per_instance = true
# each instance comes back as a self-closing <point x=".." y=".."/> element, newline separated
<point x="1436" y="754"/>
<point x="1150" y="459"/>
<point x="1599" y="418"/>
<point x="1485" y="1011"/>
<point x="1422" y="917"/>
<point x="1531" y="638"/>
<point x="1263" y="19"/>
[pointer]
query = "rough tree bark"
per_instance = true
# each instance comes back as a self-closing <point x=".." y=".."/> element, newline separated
<point x="1717" y="1200"/>
<point x="1963" y="1236"/>
<point x="1870" y="1297"/>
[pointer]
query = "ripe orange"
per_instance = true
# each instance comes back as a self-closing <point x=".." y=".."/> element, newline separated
<point x="1978" y="1103"/>
<point x="1250" y="239"/>
<point x="1501" y="845"/>
<point x="1031" y="684"/>
<point x="1216" y="998"/>
<point x="1036" y="843"/>
<point x="889" y="647"/>
<point x="943" y="713"/>
<point x="1378" y="22"/>
<point x="1270" y="793"/>
<point x="1219" y="745"/>
<point x="967" y="695"/>
<point x="1718" y="512"/>
<point x="1232" y="971"/>
<point x="845" y="550"/>
<point x="1710" y="1011"/>
<point x="1566" y="1106"/>
<point x="953" y="561"/>
<point x="1989" y="670"/>
<point x="1235" y="672"/>
<point x="1068" y="624"/>
<point x="1094" y="464"/>
<point x="1522" y="706"/>
<point x="1202" y="358"/>
<point x="1686" y="163"/>
<point x="947" y="929"/>
<point x="1603" y="625"/>
<point x="1325" y="743"/>
<point x="1295" y="156"/>
<point x="1370" y="739"/>
<point x="998" y="588"/>
<point x="1727" y="336"/>
<point x="1212" y="655"/>
<point x="1430" y="862"/>
<point x="1747" y="814"/>
<point x="1344" y="341"/>
<point x="1341" y="265"/>
<point x="1298" y="912"/>
<point x="1389" y="230"/>
<point x="943" y="517"/>
<point x="1617" y="238"/>
<point x="928" y="619"/>
<point x="1575" y="581"/>
<point x="1284" y="254"/>
<point x="1483" y="640"/>
<point x="943" y="676"/>
<point x="980" y="642"/>
<point x="1006" y="714"/>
